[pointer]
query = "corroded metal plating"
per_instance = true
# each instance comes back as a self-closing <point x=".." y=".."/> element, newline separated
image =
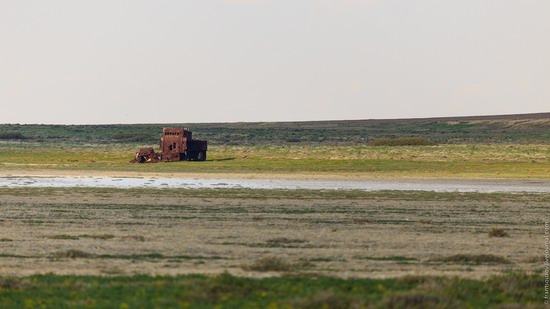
<point x="176" y="144"/>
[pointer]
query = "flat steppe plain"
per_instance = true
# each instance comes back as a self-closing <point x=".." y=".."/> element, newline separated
<point x="104" y="247"/>
<point x="359" y="161"/>
<point x="260" y="233"/>
<point x="336" y="233"/>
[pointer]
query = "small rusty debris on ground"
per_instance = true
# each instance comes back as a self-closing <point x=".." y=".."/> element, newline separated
<point x="176" y="144"/>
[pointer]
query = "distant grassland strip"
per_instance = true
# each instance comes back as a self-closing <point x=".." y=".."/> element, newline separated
<point x="515" y="129"/>
<point x="498" y="160"/>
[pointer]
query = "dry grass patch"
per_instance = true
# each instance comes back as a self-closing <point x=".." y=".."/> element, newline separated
<point x="536" y="259"/>
<point x="77" y="237"/>
<point x="133" y="237"/>
<point x="328" y="299"/>
<point x="71" y="254"/>
<point x="497" y="232"/>
<point x="413" y="299"/>
<point x="401" y="141"/>
<point x="314" y="226"/>
<point x="474" y="259"/>
<point x="285" y="240"/>
<point x="15" y="284"/>
<point x="274" y="263"/>
<point x="102" y="236"/>
<point x="396" y="258"/>
<point x="63" y="236"/>
<point x="113" y="271"/>
<point x="360" y="220"/>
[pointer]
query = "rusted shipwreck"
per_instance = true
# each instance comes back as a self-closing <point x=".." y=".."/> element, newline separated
<point x="176" y="144"/>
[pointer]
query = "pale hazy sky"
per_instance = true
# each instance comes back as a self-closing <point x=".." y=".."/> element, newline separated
<point x="109" y="61"/>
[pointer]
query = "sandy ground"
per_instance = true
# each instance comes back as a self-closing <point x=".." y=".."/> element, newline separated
<point x="82" y="173"/>
<point x="290" y="176"/>
<point x="507" y="184"/>
<point x="124" y="232"/>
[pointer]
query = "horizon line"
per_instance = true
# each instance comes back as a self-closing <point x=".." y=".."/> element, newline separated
<point x="514" y="116"/>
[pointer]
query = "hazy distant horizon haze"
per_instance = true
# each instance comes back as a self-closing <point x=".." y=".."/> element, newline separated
<point x="168" y="61"/>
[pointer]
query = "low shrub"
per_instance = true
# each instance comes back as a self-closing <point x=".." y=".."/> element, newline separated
<point x="327" y="299"/>
<point x="71" y="254"/>
<point x="11" y="283"/>
<point x="293" y="140"/>
<point x="101" y="236"/>
<point x="134" y="137"/>
<point x="11" y="135"/>
<point x="270" y="264"/>
<point x="413" y="299"/>
<point x="63" y="236"/>
<point x="474" y="259"/>
<point x="285" y="240"/>
<point x="274" y="263"/>
<point x="401" y="141"/>
<point x="496" y="232"/>
<point x="396" y="258"/>
<point x="133" y="237"/>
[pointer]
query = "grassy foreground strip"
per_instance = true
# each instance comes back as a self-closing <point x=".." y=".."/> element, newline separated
<point x="512" y="161"/>
<point x="197" y="291"/>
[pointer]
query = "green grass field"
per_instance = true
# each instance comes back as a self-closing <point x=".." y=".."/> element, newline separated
<point x="226" y="291"/>
<point x="497" y="160"/>
<point x="490" y="146"/>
